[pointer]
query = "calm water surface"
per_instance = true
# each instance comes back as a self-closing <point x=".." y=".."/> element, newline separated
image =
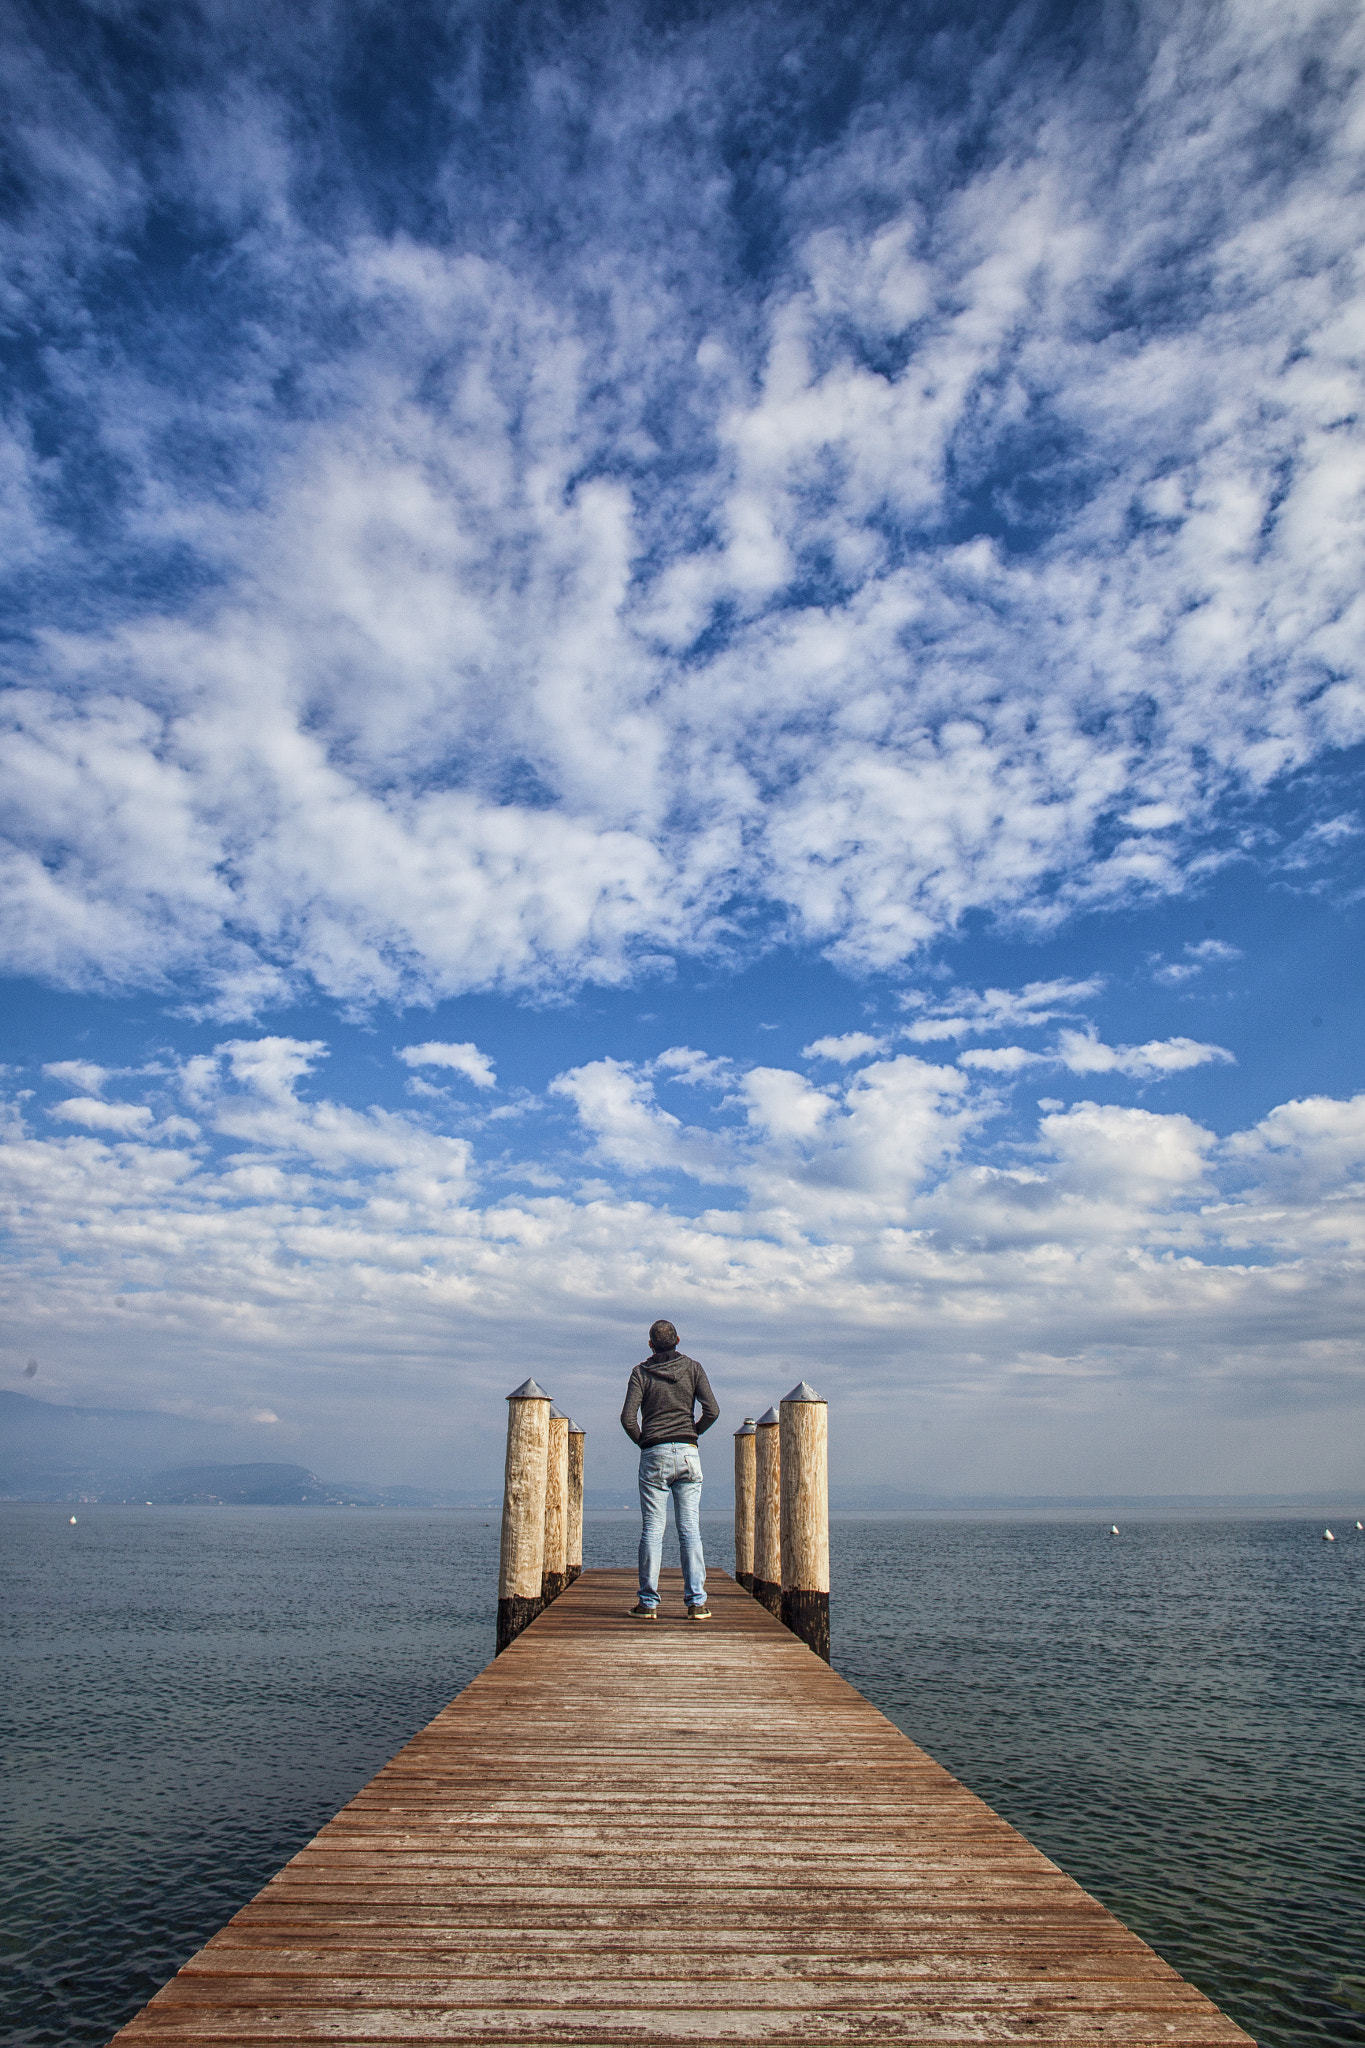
<point x="1174" y="1715"/>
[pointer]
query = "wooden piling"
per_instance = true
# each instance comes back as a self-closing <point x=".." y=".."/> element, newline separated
<point x="767" y="1585"/>
<point x="573" y="1545"/>
<point x="803" y="1435"/>
<point x="554" y="1573"/>
<point x="522" y="1558"/>
<point x="744" y="1504"/>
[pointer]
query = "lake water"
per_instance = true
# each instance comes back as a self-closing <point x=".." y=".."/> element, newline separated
<point x="1174" y="1715"/>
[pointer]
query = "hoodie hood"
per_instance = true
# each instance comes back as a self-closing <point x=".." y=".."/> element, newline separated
<point x="669" y="1365"/>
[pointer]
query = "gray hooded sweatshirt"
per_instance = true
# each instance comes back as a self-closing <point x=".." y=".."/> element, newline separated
<point x="663" y="1391"/>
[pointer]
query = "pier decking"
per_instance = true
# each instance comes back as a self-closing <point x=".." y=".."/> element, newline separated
<point x="669" y="1832"/>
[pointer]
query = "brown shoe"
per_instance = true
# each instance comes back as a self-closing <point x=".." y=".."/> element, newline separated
<point x="699" y="1614"/>
<point x="642" y="1613"/>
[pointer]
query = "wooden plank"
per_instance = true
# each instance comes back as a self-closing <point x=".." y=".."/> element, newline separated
<point x="671" y="1832"/>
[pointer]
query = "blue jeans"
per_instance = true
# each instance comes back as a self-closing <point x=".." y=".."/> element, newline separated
<point x="675" y="1469"/>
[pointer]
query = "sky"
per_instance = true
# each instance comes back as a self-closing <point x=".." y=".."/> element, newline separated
<point x="696" y="661"/>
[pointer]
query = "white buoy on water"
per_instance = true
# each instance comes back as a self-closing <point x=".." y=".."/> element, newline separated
<point x="1114" y="1530"/>
<point x="1327" y="1535"/>
<point x="73" y="1521"/>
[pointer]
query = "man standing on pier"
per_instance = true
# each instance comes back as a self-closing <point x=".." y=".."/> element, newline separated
<point x="659" y="1415"/>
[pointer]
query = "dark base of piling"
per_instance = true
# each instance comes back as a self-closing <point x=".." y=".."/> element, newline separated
<point x="768" y="1595"/>
<point x="551" y="1586"/>
<point x="807" y="1616"/>
<point x="513" y="1617"/>
<point x="575" y="1571"/>
<point x="745" y="1579"/>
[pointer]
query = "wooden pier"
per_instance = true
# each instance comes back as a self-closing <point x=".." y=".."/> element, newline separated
<point x="671" y="1832"/>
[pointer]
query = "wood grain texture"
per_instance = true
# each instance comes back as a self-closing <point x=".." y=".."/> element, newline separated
<point x="803" y="1432"/>
<point x="744" y="1508"/>
<point x="573" y="1540"/>
<point x="767" y="1508"/>
<point x="671" y="1834"/>
<point x="555" y="1564"/>
<point x="521" y="1560"/>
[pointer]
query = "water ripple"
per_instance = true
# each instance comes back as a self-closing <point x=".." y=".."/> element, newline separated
<point x="1173" y="1716"/>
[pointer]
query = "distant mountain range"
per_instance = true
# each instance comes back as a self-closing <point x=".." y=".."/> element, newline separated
<point x="263" y="1485"/>
<point x="50" y="1452"/>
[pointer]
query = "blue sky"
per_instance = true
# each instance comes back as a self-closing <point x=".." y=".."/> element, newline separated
<point x="701" y="663"/>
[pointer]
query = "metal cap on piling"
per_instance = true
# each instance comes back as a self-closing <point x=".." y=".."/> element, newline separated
<point x="767" y="1582"/>
<point x="744" y="1504"/>
<point x="804" y="1483"/>
<point x="521" y="1561"/>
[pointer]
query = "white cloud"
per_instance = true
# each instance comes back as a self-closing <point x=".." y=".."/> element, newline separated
<point x="78" y="1074"/>
<point x="783" y="1105"/>
<point x="848" y="1046"/>
<point x="1209" y="951"/>
<point x="484" y="687"/>
<point x="1083" y="1053"/>
<point x="902" y="1119"/>
<point x="103" y="1116"/>
<point x="425" y="1089"/>
<point x="1316" y="1142"/>
<point x="696" y="1069"/>
<point x="968" y="1014"/>
<point x="271" y="1067"/>
<point x="873" y="1227"/>
<point x="1000" y="1059"/>
<point x="805" y="1158"/>
<point x="464" y="1058"/>
<point x="627" y="1128"/>
<point x="1128" y="1158"/>
<point x="247" y="1092"/>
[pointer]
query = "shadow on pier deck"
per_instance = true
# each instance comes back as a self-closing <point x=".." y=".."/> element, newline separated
<point x="671" y="1832"/>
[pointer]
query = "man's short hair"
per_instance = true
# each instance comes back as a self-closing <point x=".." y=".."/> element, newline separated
<point x="662" y="1337"/>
